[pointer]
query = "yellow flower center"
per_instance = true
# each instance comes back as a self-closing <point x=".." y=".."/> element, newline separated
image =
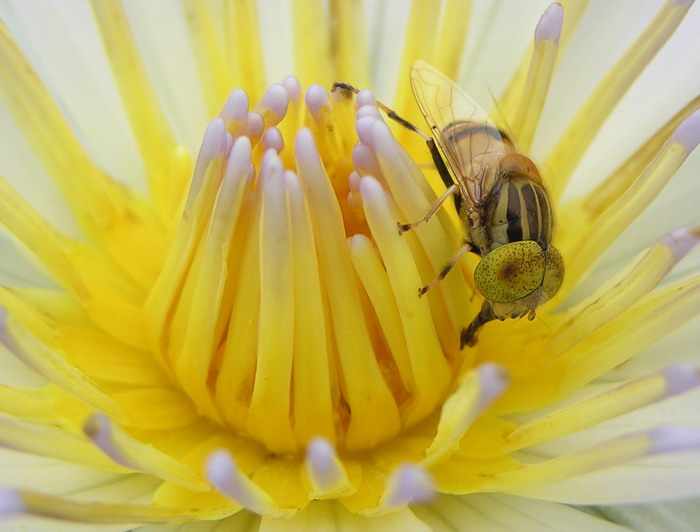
<point x="268" y="316"/>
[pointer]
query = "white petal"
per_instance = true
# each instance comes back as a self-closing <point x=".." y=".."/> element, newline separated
<point x="506" y="513"/>
<point x="161" y="32"/>
<point x="675" y="207"/>
<point x="17" y="267"/>
<point x="677" y="516"/>
<point x="21" y="168"/>
<point x="56" y="477"/>
<point x="62" y="44"/>
<point x="38" y="524"/>
<point x="13" y="371"/>
<point x="679" y="346"/>
<point x="660" y="477"/>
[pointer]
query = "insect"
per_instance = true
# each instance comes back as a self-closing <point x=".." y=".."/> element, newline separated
<point x="500" y="198"/>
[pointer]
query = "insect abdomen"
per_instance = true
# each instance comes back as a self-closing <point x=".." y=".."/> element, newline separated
<point x="519" y="210"/>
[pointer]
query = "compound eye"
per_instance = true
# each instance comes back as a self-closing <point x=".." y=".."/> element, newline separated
<point x="512" y="271"/>
<point x="554" y="272"/>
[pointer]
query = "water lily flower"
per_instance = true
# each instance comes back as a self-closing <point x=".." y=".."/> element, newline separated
<point x="232" y="339"/>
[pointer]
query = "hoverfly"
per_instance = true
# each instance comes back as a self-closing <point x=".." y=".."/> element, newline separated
<point x="500" y="198"/>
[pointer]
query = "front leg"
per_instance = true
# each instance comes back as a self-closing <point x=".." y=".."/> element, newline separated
<point x="433" y="209"/>
<point x="443" y="273"/>
<point x="485" y="315"/>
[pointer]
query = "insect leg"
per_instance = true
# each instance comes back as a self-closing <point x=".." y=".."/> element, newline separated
<point x="485" y="315"/>
<point x="433" y="209"/>
<point x="387" y="110"/>
<point x="434" y="152"/>
<point x="464" y="249"/>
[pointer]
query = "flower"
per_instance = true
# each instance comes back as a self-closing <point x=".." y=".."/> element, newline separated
<point x="244" y="342"/>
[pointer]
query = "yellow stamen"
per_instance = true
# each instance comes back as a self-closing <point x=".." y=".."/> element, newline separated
<point x="37" y="345"/>
<point x="269" y="420"/>
<point x="204" y="289"/>
<point x="272" y="107"/>
<point x="367" y="392"/>
<point x="539" y="74"/>
<point x="413" y="198"/>
<point x="452" y="36"/>
<point x="376" y="283"/>
<point x="320" y="119"/>
<point x="133" y="454"/>
<point x="29" y="404"/>
<point x="54" y="442"/>
<point x="313" y="400"/>
<point x="37" y="115"/>
<point x="227" y="478"/>
<point x="408" y="484"/>
<point x="476" y="391"/>
<point x="157" y="407"/>
<point x="153" y="136"/>
<point x="622" y="290"/>
<point x="348" y="42"/>
<point x="310" y="41"/>
<point x="118" y="364"/>
<point x="234" y="383"/>
<point x="430" y="371"/>
<point x="598" y="200"/>
<point x="603" y="455"/>
<point x="579" y="255"/>
<point x="326" y="472"/>
<point x="215" y="76"/>
<point x="34" y="503"/>
<point x="419" y="42"/>
<point x="51" y="248"/>
<point x="160" y="306"/>
<point x="573" y="11"/>
<point x="243" y="45"/>
<point x="210" y="505"/>
<point x="588" y="412"/>
<point x="642" y="324"/>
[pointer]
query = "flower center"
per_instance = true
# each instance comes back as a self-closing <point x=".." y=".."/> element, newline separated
<point x="287" y="306"/>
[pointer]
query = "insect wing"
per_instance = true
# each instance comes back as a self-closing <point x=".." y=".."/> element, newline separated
<point x="448" y="111"/>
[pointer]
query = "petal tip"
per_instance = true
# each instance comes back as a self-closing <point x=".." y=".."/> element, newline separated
<point x="11" y="502"/>
<point x="493" y="378"/>
<point x="681" y="240"/>
<point x="549" y="26"/>
<point x="674" y="439"/>
<point x="236" y="107"/>
<point x="365" y="97"/>
<point x="293" y="87"/>
<point x="409" y="484"/>
<point x="275" y="101"/>
<point x="687" y="134"/>
<point x="681" y="377"/>
<point x="316" y="98"/>
<point x="4" y="339"/>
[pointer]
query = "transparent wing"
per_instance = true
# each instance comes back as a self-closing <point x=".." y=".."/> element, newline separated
<point x="471" y="142"/>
